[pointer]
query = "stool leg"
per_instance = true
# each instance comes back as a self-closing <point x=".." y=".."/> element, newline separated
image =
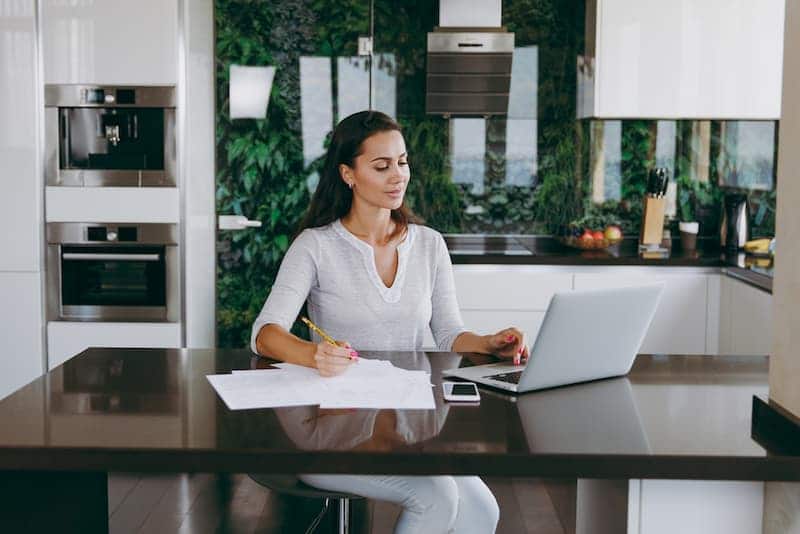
<point x="314" y="524"/>
<point x="344" y="515"/>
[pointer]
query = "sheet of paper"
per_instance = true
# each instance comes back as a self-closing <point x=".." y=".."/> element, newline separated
<point x="374" y="384"/>
<point x="245" y="392"/>
<point x="412" y="393"/>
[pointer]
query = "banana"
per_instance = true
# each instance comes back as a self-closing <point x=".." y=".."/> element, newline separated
<point x="759" y="246"/>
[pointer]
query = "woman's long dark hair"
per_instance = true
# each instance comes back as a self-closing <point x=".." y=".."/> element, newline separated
<point x="333" y="199"/>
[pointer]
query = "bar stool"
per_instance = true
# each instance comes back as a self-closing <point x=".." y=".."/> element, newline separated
<point x="291" y="485"/>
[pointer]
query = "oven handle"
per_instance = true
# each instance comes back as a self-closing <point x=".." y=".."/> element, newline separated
<point x="86" y="256"/>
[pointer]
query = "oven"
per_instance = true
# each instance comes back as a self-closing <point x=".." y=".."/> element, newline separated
<point x="110" y="136"/>
<point x="113" y="272"/>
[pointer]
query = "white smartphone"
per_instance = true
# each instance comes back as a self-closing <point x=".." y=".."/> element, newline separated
<point x="460" y="392"/>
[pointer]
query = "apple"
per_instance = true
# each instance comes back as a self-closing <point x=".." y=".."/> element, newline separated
<point x="613" y="233"/>
<point x="598" y="235"/>
<point x="587" y="235"/>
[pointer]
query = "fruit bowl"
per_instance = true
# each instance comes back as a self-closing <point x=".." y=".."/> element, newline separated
<point x="587" y="238"/>
<point x="589" y="244"/>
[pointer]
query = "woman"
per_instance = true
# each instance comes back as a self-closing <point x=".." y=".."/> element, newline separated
<point x="373" y="277"/>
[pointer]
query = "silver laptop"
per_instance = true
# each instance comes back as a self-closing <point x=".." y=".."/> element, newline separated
<point x="585" y="335"/>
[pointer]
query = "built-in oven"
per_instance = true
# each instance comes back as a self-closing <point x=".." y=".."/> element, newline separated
<point x="110" y="136"/>
<point x="113" y="272"/>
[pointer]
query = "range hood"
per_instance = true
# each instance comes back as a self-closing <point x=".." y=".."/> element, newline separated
<point x="469" y="67"/>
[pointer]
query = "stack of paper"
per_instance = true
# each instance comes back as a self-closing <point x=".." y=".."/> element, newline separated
<point x="365" y="384"/>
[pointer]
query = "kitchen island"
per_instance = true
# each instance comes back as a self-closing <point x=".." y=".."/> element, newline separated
<point x="674" y="420"/>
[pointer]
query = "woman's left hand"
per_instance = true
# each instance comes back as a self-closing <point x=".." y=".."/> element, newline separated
<point x="508" y="343"/>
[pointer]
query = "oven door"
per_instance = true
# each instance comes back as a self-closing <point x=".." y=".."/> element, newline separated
<point x="114" y="283"/>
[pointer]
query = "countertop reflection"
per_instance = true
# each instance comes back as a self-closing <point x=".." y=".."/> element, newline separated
<point x="667" y="409"/>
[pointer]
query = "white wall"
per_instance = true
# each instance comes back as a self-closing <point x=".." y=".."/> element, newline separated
<point x="21" y="332"/>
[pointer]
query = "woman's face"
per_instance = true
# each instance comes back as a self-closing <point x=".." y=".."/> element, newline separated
<point x="380" y="173"/>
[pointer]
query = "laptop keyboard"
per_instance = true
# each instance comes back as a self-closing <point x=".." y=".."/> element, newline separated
<point x="511" y="378"/>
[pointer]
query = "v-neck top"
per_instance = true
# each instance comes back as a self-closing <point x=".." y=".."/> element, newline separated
<point x="334" y="272"/>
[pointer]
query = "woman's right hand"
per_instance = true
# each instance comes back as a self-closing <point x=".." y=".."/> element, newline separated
<point x="333" y="360"/>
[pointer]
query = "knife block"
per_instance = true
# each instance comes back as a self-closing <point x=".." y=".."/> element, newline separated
<point x="652" y="222"/>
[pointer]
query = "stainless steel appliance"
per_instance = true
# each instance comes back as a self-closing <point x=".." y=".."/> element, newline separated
<point x="734" y="229"/>
<point x="469" y="72"/>
<point x="113" y="272"/>
<point x="110" y="136"/>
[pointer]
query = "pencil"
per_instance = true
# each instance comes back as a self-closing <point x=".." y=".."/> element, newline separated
<point x="322" y="334"/>
<point x="319" y="331"/>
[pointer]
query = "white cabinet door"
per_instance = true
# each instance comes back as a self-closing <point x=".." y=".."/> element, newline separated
<point x="493" y="297"/>
<point x="20" y="200"/>
<point x="745" y="319"/>
<point x="699" y="507"/>
<point x="679" y="325"/>
<point x="66" y="339"/>
<point x="686" y="59"/>
<point x="110" y="42"/>
<point x="21" y="333"/>
<point x="508" y="287"/>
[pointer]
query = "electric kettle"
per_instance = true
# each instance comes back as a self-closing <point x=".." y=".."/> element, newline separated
<point x="734" y="230"/>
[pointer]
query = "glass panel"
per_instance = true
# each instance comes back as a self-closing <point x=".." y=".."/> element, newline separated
<point x="384" y="83"/>
<point x="112" y="138"/>
<point x="747" y="154"/>
<point x="468" y="153"/>
<point x="606" y="154"/>
<point x="266" y="168"/>
<point x="113" y="282"/>
<point x="352" y="85"/>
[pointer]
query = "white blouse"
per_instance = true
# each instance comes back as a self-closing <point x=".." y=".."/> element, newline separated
<point x="335" y="272"/>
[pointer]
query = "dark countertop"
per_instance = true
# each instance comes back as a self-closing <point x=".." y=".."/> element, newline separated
<point x="685" y="417"/>
<point x="544" y="250"/>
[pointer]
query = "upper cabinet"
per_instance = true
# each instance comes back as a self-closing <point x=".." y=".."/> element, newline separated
<point x="111" y="42"/>
<point x="682" y="59"/>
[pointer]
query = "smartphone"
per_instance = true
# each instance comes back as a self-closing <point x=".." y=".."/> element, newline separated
<point x="460" y="392"/>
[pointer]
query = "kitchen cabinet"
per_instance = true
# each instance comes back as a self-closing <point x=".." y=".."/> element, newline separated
<point x="66" y="339"/>
<point x="682" y="59"/>
<point x="679" y="325"/>
<point x="745" y="319"/>
<point x="21" y="335"/>
<point x="20" y="182"/>
<point x="110" y="42"/>
<point x="496" y="296"/>
<point x="493" y="297"/>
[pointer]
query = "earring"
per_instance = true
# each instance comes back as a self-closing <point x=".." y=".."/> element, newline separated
<point x="350" y="185"/>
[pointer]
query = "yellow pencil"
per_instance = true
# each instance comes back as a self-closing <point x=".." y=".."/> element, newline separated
<point x="319" y="331"/>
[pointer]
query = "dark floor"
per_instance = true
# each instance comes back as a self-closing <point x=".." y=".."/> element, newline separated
<point x="200" y="503"/>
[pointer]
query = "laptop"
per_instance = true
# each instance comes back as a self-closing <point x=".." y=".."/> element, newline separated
<point x="585" y="335"/>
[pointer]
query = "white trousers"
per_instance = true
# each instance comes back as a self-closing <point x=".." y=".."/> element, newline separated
<point x="431" y="504"/>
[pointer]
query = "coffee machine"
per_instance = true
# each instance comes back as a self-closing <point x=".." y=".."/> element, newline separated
<point x="101" y="136"/>
<point x="734" y="229"/>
